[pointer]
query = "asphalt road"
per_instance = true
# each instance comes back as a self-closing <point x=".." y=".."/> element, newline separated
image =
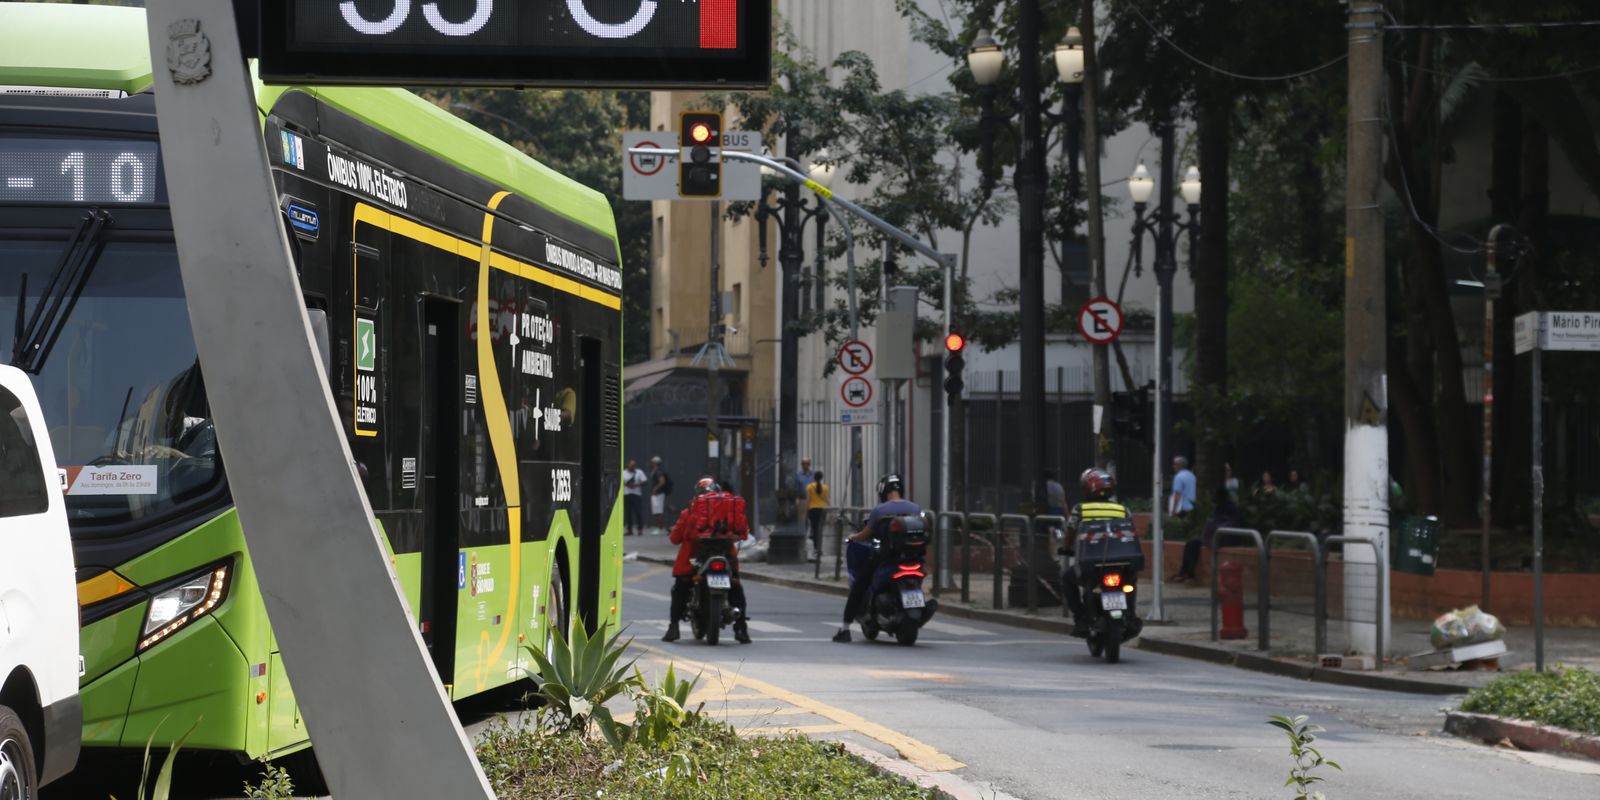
<point x="1032" y="715"/>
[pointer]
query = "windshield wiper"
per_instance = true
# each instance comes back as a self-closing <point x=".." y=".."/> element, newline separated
<point x="38" y="337"/>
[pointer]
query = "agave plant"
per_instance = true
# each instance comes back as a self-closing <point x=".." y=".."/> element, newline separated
<point x="163" y="786"/>
<point x="579" y="675"/>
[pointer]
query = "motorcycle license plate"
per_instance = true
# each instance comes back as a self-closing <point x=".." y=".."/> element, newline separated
<point x="719" y="581"/>
<point x="912" y="598"/>
<point x="1114" y="601"/>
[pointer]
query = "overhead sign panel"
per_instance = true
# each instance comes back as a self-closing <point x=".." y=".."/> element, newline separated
<point x="622" y="43"/>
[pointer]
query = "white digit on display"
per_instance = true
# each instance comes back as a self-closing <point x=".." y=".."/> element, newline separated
<point x="120" y="181"/>
<point x="621" y="30"/>
<point x="74" y="164"/>
<point x="402" y="9"/>
<point x="479" y="18"/>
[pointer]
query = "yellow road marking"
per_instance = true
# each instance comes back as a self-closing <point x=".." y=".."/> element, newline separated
<point x="761" y="712"/>
<point x="779" y="730"/>
<point x="926" y="677"/>
<point x="653" y="572"/>
<point x="913" y="750"/>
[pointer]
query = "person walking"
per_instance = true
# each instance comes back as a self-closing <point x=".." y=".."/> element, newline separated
<point x="1183" y="489"/>
<point x="660" y="487"/>
<point x="633" y="481"/>
<point x="816" y="509"/>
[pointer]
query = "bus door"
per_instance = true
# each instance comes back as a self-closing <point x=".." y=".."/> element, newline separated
<point x="441" y="480"/>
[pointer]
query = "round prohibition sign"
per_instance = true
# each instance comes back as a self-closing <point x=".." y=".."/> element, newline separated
<point x="855" y="357"/>
<point x="642" y="163"/>
<point x="856" y="392"/>
<point x="1100" y="321"/>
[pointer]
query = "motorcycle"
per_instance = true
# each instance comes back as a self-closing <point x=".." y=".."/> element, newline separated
<point x="709" y="611"/>
<point x="897" y="605"/>
<point x="1109" y="560"/>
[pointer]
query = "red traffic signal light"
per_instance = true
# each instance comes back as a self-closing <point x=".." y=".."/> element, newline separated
<point x="954" y="343"/>
<point x="700" y="133"/>
<point x="700" y="166"/>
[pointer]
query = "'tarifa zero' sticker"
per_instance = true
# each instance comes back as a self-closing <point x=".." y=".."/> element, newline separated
<point x="120" y="479"/>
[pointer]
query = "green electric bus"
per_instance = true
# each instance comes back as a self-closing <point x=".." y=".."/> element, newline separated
<point x="467" y="303"/>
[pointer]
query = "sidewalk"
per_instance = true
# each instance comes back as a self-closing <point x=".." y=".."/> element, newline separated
<point x="1188" y="632"/>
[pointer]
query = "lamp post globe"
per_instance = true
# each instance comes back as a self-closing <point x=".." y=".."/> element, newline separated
<point x="823" y="169"/>
<point x="985" y="59"/>
<point x="1141" y="185"/>
<point x="1069" y="58"/>
<point x="1191" y="186"/>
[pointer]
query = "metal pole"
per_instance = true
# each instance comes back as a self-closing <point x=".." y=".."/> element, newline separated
<point x="1491" y="293"/>
<point x="1030" y="178"/>
<point x="1538" y="509"/>
<point x="944" y="434"/>
<point x="856" y="490"/>
<point x="1366" y="401"/>
<point x="714" y="347"/>
<point x="356" y="657"/>
<point x="1097" y="233"/>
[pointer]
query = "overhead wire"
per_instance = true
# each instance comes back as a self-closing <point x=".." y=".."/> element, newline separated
<point x="1220" y="70"/>
<point x="1405" y="185"/>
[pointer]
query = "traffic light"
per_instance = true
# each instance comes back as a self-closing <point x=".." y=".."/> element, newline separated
<point x="700" y="159"/>
<point x="1130" y="414"/>
<point x="954" y="345"/>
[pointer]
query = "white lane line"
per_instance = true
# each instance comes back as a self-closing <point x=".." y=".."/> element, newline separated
<point x="761" y="626"/>
<point x="629" y="590"/>
<point x="954" y="630"/>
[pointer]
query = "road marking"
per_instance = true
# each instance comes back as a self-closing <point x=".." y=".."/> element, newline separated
<point x="779" y="730"/>
<point x="649" y="573"/>
<point x="647" y="595"/>
<point x="930" y="677"/>
<point x="762" y="712"/>
<point x="954" y="630"/>
<point x="770" y="627"/>
<point x="910" y="749"/>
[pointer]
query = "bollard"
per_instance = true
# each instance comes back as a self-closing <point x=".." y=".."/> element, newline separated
<point x="1231" y="594"/>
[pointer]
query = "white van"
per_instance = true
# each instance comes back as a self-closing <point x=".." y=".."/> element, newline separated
<point x="41" y="719"/>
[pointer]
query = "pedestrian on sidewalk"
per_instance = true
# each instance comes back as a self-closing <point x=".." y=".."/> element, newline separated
<point x="1183" y="489"/>
<point x="1055" y="495"/>
<point x="816" y="509"/>
<point x="633" y="481"/>
<point x="1266" y="487"/>
<point x="1224" y="514"/>
<point x="660" y="487"/>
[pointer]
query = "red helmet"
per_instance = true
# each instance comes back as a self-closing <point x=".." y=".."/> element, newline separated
<point x="1097" y="484"/>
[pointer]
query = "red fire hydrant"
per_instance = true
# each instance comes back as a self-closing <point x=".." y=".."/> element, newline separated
<point x="1230" y="594"/>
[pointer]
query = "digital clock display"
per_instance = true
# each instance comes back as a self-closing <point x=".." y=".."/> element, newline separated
<point x="656" y="43"/>
<point x="90" y="171"/>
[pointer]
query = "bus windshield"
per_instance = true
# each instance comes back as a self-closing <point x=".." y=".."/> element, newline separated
<point x="121" y="390"/>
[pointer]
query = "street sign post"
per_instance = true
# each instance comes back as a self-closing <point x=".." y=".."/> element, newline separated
<point x="593" y="43"/>
<point x="855" y="357"/>
<point x="855" y="401"/>
<point x="654" y="176"/>
<point x="1100" y="321"/>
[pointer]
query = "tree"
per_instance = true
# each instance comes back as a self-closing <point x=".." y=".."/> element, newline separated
<point x="579" y="134"/>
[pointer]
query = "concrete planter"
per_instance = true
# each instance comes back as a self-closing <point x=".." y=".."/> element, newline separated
<point x="1524" y="735"/>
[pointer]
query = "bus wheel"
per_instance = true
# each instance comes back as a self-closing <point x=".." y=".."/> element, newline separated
<point x="555" y="610"/>
<point x="18" y="780"/>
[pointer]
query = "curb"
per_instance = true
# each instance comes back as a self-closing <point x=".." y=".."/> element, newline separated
<point x="1171" y="647"/>
<point x="951" y="609"/>
<point x="1524" y="735"/>
<point x="1290" y="669"/>
<point x="944" y="785"/>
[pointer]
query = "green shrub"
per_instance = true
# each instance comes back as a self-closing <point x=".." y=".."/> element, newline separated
<point x="274" y="785"/>
<point x="579" y="676"/>
<point x="1564" y="697"/>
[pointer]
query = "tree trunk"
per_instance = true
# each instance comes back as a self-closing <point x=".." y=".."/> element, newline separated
<point x="1211" y="286"/>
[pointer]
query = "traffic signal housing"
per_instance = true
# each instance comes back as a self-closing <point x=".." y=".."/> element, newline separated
<point x="700" y="156"/>
<point x="1130" y="414"/>
<point x="955" y="345"/>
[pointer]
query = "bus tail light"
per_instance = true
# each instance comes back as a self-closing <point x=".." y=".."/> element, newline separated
<point x="187" y="600"/>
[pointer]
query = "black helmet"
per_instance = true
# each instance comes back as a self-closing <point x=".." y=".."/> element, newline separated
<point x="705" y="485"/>
<point x="890" y="483"/>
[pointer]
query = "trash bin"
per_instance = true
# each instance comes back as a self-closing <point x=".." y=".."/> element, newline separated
<point x="1414" y="544"/>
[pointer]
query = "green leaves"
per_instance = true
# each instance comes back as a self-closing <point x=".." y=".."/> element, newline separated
<point x="581" y="674"/>
<point x="1564" y="697"/>
<point x="163" y="786"/>
<point x="1306" y="758"/>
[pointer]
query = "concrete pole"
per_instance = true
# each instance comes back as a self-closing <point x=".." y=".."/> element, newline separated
<point x="372" y="701"/>
<point x="1030" y="179"/>
<point x="1491" y="293"/>
<point x="1097" y="224"/>
<point x="1366" y="402"/>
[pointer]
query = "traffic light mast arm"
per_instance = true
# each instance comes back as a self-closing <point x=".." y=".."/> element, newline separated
<point x="944" y="259"/>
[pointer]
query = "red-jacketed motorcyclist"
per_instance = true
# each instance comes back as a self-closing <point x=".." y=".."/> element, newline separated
<point x="712" y="512"/>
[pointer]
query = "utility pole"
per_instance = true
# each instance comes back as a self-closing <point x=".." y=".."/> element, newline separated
<point x="789" y="256"/>
<point x="1030" y="217"/>
<point x="714" y="348"/>
<point x="1097" y="227"/>
<point x="1366" y="402"/>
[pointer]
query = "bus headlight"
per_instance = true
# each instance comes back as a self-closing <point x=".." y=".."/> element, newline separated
<point x="187" y="600"/>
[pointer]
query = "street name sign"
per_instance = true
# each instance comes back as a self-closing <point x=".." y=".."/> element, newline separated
<point x="653" y="177"/>
<point x="1557" y="331"/>
<point x="622" y="43"/>
<point x="1100" y="321"/>
<point x="855" y="357"/>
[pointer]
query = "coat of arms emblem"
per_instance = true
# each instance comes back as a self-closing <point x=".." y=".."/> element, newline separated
<point x="188" y="52"/>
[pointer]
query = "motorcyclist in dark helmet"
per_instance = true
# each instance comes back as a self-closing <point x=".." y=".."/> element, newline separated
<point x="1099" y="504"/>
<point x="862" y="557"/>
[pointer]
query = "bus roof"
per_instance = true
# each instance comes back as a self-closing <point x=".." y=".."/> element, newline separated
<point x="106" y="47"/>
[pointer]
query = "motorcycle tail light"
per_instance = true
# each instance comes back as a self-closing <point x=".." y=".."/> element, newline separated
<point x="1127" y="588"/>
<point x="1112" y="581"/>
<point x="719" y="566"/>
<point x="909" y="571"/>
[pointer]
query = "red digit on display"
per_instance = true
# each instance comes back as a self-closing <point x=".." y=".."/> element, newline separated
<point x="719" y="24"/>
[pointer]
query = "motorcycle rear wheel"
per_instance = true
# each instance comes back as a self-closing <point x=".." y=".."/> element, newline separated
<point x="1114" y="641"/>
<point x="1095" y="648"/>
<point x="713" y="623"/>
<point x="906" y="635"/>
